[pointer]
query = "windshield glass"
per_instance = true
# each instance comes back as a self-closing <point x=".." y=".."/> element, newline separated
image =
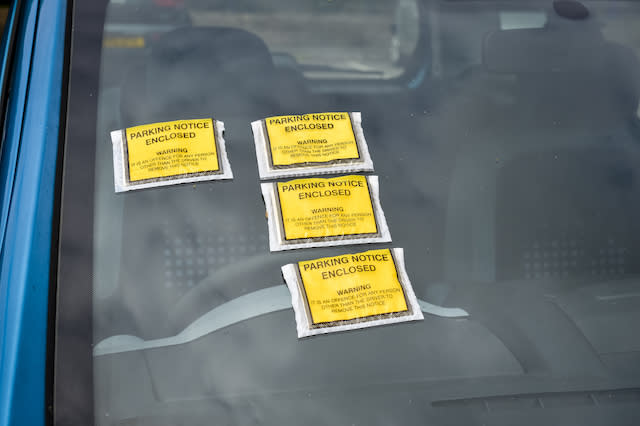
<point x="506" y="139"/>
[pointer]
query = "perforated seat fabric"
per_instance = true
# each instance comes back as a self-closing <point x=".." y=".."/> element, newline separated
<point x="569" y="214"/>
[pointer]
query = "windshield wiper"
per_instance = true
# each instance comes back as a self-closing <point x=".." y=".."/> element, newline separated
<point x="252" y="305"/>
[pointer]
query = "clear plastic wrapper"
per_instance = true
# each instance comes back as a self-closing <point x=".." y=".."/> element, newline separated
<point x="351" y="291"/>
<point x="311" y="144"/>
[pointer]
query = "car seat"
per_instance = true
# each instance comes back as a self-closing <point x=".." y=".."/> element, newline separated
<point x="544" y="161"/>
<point x="175" y="237"/>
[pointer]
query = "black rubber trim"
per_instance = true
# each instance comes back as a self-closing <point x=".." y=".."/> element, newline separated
<point x="55" y="224"/>
<point x="72" y="337"/>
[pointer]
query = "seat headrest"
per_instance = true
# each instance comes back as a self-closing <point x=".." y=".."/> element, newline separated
<point x="190" y="60"/>
<point x="197" y="72"/>
<point x="227" y="50"/>
<point x="543" y="50"/>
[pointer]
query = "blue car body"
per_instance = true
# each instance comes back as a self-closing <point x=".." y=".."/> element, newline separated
<point x="32" y="127"/>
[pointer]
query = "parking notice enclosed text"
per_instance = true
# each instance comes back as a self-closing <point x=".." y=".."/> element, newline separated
<point x="311" y="144"/>
<point x="352" y="286"/>
<point x="171" y="149"/>
<point x="351" y="291"/>
<point x="168" y="153"/>
<point x="311" y="138"/>
<point x="326" y="207"/>
<point x="317" y="212"/>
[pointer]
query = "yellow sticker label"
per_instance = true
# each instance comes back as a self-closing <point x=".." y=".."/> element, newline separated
<point x="352" y="286"/>
<point x="173" y="148"/>
<point x="316" y="207"/>
<point x="124" y="42"/>
<point x="311" y="138"/>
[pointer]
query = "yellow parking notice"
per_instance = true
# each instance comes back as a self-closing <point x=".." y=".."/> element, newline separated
<point x="296" y="145"/>
<point x="352" y="286"/>
<point x="170" y="152"/>
<point x="351" y="291"/>
<point x="311" y="138"/>
<point x="314" y="208"/>
<point x="171" y="149"/>
<point x="318" y="211"/>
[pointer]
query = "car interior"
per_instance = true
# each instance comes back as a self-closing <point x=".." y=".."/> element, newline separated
<point x="507" y="161"/>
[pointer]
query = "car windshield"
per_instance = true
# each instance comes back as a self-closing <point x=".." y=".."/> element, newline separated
<point x="506" y="139"/>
